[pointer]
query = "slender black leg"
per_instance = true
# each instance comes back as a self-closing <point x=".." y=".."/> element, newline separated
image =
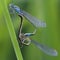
<point x="30" y="34"/>
<point x="21" y="24"/>
<point x="20" y="30"/>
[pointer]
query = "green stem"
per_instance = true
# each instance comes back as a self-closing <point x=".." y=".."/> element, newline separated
<point x="11" y="30"/>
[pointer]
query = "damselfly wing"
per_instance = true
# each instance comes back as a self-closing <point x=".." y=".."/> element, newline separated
<point x="36" y="22"/>
<point x="45" y="49"/>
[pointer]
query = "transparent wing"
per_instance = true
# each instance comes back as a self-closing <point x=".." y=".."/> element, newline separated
<point x="33" y="20"/>
<point x="14" y="8"/>
<point x="45" y="49"/>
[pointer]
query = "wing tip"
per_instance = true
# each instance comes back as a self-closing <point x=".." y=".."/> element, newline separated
<point x="55" y="53"/>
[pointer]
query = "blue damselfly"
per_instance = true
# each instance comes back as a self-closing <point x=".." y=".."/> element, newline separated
<point x="36" y="22"/>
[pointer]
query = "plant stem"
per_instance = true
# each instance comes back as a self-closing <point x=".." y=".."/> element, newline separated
<point x="11" y="30"/>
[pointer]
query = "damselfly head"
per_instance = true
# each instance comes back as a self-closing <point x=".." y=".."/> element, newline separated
<point x="11" y="5"/>
<point x="16" y="8"/>
<point x="24" y="40"/>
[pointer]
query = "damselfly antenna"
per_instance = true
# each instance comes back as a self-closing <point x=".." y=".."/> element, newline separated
<point x="36" y="22"/>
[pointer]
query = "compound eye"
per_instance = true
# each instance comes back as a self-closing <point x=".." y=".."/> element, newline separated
<point x="26" y="42"/>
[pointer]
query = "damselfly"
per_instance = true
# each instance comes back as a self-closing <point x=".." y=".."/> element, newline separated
<point x="36" y="22"/>
<point x="24" y="38"/>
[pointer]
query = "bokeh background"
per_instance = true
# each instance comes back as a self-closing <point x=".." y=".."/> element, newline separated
<point x="47" y="10"/>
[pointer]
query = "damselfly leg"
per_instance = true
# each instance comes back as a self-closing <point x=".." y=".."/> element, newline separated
<point x="30" y="34"/>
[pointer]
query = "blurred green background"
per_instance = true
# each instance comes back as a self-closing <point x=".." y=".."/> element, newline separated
<point x="47" y="10"/>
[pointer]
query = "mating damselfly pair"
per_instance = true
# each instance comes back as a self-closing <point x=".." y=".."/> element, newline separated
<point x="25" y="37"/>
